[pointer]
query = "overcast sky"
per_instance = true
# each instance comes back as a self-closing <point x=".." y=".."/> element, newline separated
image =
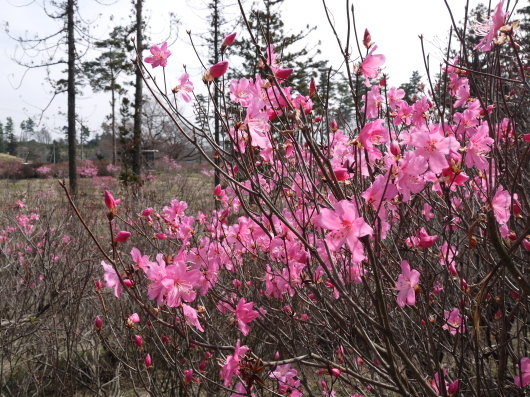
<point x="394" y="25"/>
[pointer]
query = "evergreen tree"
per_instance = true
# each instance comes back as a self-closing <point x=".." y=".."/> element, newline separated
<point x="268" y="28"/>
<point x="65" y="13"/>
<point x="9" y="131"/>
<point x="413" y="87"/>
<point x="2" y="138"/>
<point x="104" y="72"/>
<point x="27" y="130"/>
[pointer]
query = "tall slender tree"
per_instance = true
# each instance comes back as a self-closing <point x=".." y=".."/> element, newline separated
<point x="138" y="96"/>
<point x="268" y="28"/>
<point x="104" y="72"/>
<point x="63" y="39"/>
<point x="9" y="131"/>
<point x="2" y="138"/>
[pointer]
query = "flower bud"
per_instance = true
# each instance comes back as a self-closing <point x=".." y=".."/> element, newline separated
<point x="109" y="200"/>
<point x="98" y="323"/>
<point x="98" y="285"/>
<point x="283" y="73"/>
<point x="395" y="149"/>
<point x="147" y="211"/>
<point x="367" y="39"/>
<point x="312" y="88"/>
<point x="334" y="125"/>
<point x="335" y="372"/>
<point x="202" y="366"/>
<point x="138" y="340"/>
<point x="229" y="40"/>
<point x="128" y="283"/>
<point x="122" y="236"/>
<point x="216" y="71"/>
<point x="188" y="376"/>
<point x="148" y="361"/>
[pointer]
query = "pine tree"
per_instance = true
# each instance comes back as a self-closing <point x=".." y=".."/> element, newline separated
<point x="104" y="72"/>
<point x="65" y="12"/>
<point x="2" y="138"/>
<point x="9" y="131"/>
<point x="268" y="28"/>
<point x="413" y="87"/>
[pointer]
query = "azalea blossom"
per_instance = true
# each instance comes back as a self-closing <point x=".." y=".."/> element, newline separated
<point x="112" y="279"/>
<point x="490" y="28"/>
<point x="231" y="366"/>
<point x="406" y="283"/>
<point x="191" y="316"/>
<point x="370" y="66"/>
<point x="346" y="227"/>
<point x="159" y="55"/>
<point x="523" y="379"/>
<point x="184" y="88"/>
<point x="245" y="314"/>
<point x="455" y="322"/>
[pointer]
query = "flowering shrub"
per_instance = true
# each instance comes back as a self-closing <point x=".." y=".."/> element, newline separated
<point x="87" y="169"/>
<point x="368" y="261"/>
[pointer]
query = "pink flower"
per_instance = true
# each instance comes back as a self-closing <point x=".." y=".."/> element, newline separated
<point x="191" y="316"/>
<point x="422" y="239"/>
<point x="109" y="200"/>
<point x="346" y="227"/>
<point x="283" y="373"/>
<point x="184" y="88"/>
<point x="142" y="261"/>
<point x="490" y="28"/>
<point x="160" y="55"/>
<point x="231" y="366"/>
<point x="407" y="280"/>
<point x="245" y="314"/>
<point x="112" y="279"/>
<point x="178" y="284"/>
<point x="370" y="66"/>
<point x="523" y="379"/>
<point x="501" y="204"/>
<point x="455" y="321"/>
<point x="122" y="236"/>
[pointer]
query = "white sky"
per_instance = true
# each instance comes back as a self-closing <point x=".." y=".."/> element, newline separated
<point x="394" y="25"/>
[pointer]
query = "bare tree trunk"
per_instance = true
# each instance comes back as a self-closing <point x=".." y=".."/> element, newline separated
<point x="72" y="167"/>
<point x="217" y="179"/>
<point x="113" y="100"/>
<point x="137" y="133"/>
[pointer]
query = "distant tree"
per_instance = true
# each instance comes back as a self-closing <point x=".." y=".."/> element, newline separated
<point x="27" y="129"/>
<point x="104" y="72"/>
<point x="9" y="131"/>
<point x="413" y="87"/>
<point x="55" y="152"/>
<point x="136" y="149"/>
<point x="2" y="138"/>
<point x="268" y="28"/>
